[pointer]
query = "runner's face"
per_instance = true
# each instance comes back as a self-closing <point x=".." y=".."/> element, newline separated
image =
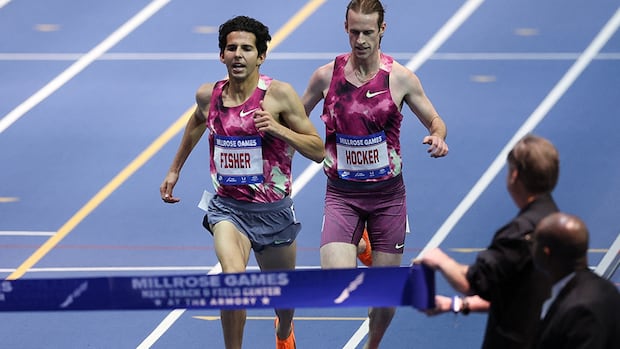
<point x="364" y="34"/>
<point x="241" y="55"/>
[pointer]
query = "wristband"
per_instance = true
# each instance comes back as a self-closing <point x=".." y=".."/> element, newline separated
<point x="460" y="305"/>
<point x="457" y="304"/>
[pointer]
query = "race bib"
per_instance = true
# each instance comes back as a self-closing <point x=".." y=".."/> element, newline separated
<point x="238" y="160"/>
<point x="362" y="157"/>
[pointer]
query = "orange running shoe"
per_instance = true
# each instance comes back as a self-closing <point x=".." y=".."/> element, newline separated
<point x="288" y="343"/>
<point x="366" y="255"/>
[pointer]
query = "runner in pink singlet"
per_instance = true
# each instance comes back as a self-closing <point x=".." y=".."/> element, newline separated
<point x="255" y="125"/>
<point x="363" y="93"/>
<point x="246" y="165"/>
<point x="362" y="126"/>
<point x="362" y="161"/>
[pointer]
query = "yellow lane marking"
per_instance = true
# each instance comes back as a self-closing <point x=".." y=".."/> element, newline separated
<point x="483" y="78"/>
<point x="138" y="162"/>
<point x="43" y="27"/>
<point x="527" y="31"/>
<point x="295" y="21"/>
<point x="467" y="250"/>
<point x="101" y="196"/>
<point x="4" y="199"/>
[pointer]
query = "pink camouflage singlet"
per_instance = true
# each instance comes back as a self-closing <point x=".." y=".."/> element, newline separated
<point x="246" y="165"/>
<point x="362" y="127"/>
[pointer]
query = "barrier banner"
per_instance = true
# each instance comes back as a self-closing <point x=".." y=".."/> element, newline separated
<point x="316" y="288"/>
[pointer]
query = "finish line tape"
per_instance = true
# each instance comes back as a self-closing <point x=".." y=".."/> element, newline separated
<point x="362" y="287"/>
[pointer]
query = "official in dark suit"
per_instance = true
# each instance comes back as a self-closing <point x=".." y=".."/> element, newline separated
<point x="503" y="280"/>
<point x="584" y="309"/>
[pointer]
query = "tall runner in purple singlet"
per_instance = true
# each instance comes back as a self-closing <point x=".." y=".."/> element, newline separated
<point x="363" y="93"/>
<point x="255" y="126"/>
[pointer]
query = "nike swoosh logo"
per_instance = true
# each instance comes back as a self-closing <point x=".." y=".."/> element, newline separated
<point x="244" y="113"/>
<point x="399" y="246"/>
<point x="372" y="94"/>
<point x="280" y="242"/>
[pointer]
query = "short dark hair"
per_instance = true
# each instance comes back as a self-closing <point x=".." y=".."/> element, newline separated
<point x="245" y="24"/>
<point x="367" y="7"/>
<point x="537" y="162"/>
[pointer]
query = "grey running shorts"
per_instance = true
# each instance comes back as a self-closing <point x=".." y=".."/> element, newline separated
<point x="265" y="224"/>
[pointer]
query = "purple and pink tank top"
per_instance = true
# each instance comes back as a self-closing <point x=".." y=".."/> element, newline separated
<point x="246" y="165"/>
<point x="362" y="126"/>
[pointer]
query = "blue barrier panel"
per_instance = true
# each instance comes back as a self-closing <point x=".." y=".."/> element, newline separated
<point x="362" y="287"/>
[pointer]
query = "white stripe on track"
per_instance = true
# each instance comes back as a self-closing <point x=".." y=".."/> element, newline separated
<point x="81" y="64"/>
<point x="163" y="326"/>
<point x="172" y="317"/>
<point x="133" y="270"/>
<point x="605" y="265"/>
<point x="532" y="121"/>
<point x="423" y="55"/>
<point x="26" y="233"/>
<point x="444" y="33"/>
<point x="305" y="56"/>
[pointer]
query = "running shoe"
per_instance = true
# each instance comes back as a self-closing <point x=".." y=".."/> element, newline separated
<point x="288" y="343"/>
<point x="366" y="255"/>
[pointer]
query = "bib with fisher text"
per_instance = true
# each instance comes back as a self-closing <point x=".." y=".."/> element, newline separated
<point x="238" y="160"/>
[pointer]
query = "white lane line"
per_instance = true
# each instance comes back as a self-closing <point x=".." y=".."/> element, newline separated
<point x="610" y="260"/>
<point x="520" y="56"/>
<point x="172" y="317"/>
<point x="81" y="64"/>
<point x="133" y="270"/>
<point x="459" y="17"/>
<point x="26" y="233"/>
<point x="532" y="121"/>
<point x="444" y="33"/>
<point x="163" y="326"/>
<point x="306" y="56"/>
<point x="305" y="177"/>
<point x="359" y="335"/>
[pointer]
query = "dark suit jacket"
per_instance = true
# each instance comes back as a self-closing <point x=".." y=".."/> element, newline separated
<point x="504" y="274"/>
<point x="585" y="314"/>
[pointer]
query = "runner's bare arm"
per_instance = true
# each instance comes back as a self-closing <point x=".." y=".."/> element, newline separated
<point x="194" y="129"/>
<point x="409" y="86"/>
<point x="293" y="124"/>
